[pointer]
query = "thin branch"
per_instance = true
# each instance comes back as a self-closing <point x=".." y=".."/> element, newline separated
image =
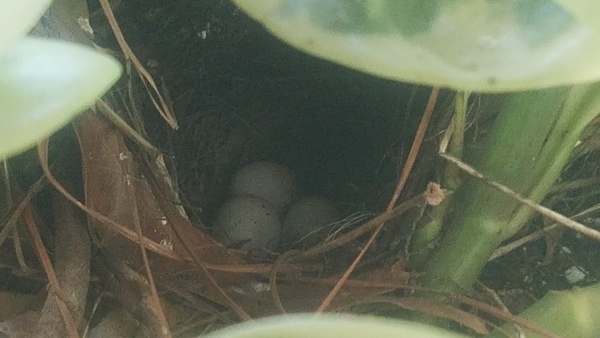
<point x="553" y="215"/>
<point x="51" y="274"/>
<point x="124" y="231"/>
<point x="410" y="161"/>
<point x="416" y="145"/>
<point x="162" y="106"/>
<point x="157" y="308"/>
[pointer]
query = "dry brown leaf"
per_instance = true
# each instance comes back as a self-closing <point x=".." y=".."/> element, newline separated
<point x="113" y="181"/>
<point x="14" y="304"/>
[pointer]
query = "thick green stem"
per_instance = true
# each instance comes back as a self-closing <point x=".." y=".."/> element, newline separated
<point x="526" y="150"/>
<point x="453" y="268"/>
<point x="581" y="106"/>
<point x="459" y="121"/>
<point x="429" y="228"/>
<point x="567" y="313"/>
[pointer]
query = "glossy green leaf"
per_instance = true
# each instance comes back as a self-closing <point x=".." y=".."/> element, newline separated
<point x="570" y="313"/>
<point x="584" y="10"/>
<point x="43" y="84"/>
<point x="329" y="325"/>
<point x="473" y="45"/>
<point x="17" y="17"/>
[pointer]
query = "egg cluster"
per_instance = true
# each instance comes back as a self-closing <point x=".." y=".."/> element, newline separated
<point x="260" y="214"/>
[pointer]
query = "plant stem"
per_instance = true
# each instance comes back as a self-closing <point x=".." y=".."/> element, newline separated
<point x="429" y="228"/>
<point x="571" y="313"/>
<point x="526" y="150"/>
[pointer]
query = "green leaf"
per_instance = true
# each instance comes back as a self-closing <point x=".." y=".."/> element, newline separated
<point x="17" y="18"/>
<point x="584" y="10"/>
<point x="472" y="45"/>
<point x="572" y="313"/>
<point x="43" y="84"/>
<point x="329" y="325"/>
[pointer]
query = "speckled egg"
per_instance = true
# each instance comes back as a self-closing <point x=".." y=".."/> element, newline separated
<point x="305" y="217"/>
<point x="271" y="181"/>
<point x="248" y="220"/>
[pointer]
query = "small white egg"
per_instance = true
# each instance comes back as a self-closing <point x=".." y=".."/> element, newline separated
<point x="306" y="216"/>
<point x="250" y="220"/>
<point x="271" y="181"/>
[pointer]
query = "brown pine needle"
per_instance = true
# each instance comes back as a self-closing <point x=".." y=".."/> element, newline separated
<point x="553" y="215"/>
<point x="410" y="161"/>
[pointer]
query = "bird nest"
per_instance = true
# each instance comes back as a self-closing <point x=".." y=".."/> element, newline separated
<point x="232" y="94"/>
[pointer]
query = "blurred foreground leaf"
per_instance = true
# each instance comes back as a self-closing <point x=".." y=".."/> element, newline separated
<point x="43" y="84"/>
<point x="473" y="45"/>
<point x="17" y="18"/>
<point x="328" y="325"/>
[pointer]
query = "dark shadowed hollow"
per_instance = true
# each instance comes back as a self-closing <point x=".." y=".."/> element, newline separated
<point x="242" y="95"/>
